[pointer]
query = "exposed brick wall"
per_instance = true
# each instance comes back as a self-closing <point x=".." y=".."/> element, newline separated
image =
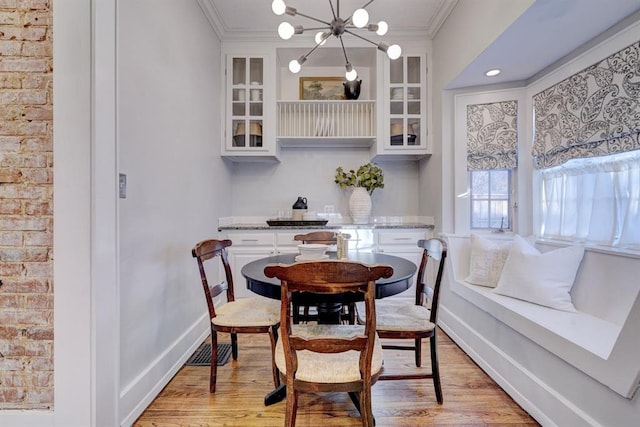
<point x="26" y="212"/>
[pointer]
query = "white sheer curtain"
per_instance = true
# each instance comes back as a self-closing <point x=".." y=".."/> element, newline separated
<point x="594" y="200"/>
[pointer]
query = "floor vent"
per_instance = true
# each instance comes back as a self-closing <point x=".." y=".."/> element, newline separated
<point x="202" y="356"/>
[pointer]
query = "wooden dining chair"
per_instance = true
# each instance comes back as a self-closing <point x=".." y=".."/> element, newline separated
<point x="242" y="316"/>
<point x="399" y="320"/>
<point x="328" y="358"/>
<point x="303" y="312"/>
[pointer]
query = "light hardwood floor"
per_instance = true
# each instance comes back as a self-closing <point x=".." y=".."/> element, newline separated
<point x="471" y="398"/>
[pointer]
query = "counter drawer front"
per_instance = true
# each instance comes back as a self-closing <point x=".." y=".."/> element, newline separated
<point x="286" y="239"/>
<point x="400" y="238"/>
<point x="252" y="239"/>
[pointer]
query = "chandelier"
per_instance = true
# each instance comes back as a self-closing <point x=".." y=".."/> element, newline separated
<point x="336" y="27"/>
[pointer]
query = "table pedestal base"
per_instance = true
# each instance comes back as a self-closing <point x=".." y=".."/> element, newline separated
<point x="329" y="313"/>
<point x="276" y="395"/>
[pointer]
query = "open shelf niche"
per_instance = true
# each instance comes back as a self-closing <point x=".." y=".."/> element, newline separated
<point x="326" y="123"/>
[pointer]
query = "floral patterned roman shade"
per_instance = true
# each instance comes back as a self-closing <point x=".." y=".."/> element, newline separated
<point x="492" y="136"/>
<point x="595" y="112"/>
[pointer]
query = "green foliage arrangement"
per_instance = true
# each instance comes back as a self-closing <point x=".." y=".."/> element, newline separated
<point x="368" y="176"/>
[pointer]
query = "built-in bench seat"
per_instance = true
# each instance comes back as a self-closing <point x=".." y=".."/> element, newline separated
<point x="601" y="339"/>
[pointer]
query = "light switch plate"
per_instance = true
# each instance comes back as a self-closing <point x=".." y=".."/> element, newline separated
<point x="122" y="186"/>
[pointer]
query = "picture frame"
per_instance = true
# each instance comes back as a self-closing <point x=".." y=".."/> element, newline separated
<point x="325" y="88"/>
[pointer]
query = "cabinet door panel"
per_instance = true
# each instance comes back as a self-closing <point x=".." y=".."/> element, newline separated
<point x="238" y="258"/>
<point x="248" y="131"/>
<point x="402" y="243"/>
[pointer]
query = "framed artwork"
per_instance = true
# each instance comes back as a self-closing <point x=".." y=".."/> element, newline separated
<point x="321" y="88"/>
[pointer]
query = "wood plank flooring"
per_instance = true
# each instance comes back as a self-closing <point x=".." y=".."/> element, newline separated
<point x="471" y="398"/>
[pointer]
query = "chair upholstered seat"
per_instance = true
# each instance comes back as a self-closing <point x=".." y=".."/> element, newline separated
<point x="248" y="312"/>
<point x="414" y="320"/>
<point x="328" y="357"/>
<point x="242" y="316"/>
<point x="328" y="367"/>
<point x="395" y="315"/>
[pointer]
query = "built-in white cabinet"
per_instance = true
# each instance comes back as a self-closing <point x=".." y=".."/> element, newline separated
<point x="403" y="129"/>
<point x="264" y="112"/>
<point x="250" y="246"/>
<point x="285" y="244"/>
<point x="402" y="243"/>
<point x="249" y="131"/>
<point x="247" y="247"/>
<point x="328" y="123"/>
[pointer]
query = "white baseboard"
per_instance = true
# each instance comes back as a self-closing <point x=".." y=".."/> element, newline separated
<point x="31" y="418"/>
<point x="137" y="395"/>
<point x="543" y="403"/>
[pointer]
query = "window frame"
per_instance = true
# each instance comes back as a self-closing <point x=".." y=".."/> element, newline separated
<point x="520" y="186"/>
<point x="510" y="203"/>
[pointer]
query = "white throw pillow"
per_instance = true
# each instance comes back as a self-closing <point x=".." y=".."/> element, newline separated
<point x="540" y="278"/>
<point x="487" y="260"/>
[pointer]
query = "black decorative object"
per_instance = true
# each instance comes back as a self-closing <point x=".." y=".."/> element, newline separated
<point x="296" y="223"/>
<point x="352" y="89"/>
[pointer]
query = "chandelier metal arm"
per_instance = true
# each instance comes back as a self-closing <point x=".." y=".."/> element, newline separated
<point x="313" y="28"/>
<point x="344" y="51"/>
<point x="337" y="27"/>
<point x="314" y="19"/>
<point x="360" y="37"/>
<point x="306" y="55"/>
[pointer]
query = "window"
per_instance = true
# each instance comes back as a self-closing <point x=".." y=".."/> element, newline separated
<point x="490" y="198"/>
<point x="486" y="173"/>
<point x="594" y="200"/>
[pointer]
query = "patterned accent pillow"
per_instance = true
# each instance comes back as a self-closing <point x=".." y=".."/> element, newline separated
<point x="487" y="259"/>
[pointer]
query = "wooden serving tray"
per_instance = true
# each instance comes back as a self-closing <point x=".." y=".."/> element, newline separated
<point x="296" y="223"/>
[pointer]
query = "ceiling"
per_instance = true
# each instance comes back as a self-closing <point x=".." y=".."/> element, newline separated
<point x="548" y="31"/>
<point x="254" y="17"/>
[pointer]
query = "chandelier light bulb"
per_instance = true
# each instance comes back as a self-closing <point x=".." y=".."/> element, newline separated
<point x="321" y="38"/>
<point x="383" y="27"/>
<point x="360" y="18"/>
<point x="285" y="31"/>
<point x="294" y="66"/>
<point x="338" y="27"/>
<point x="278" y="7"/>
<point x="351" y="75"/>
<point x="394" y="51"/>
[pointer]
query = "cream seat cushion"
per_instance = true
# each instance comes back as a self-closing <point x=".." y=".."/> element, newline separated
<point x="328" y="367"/>
<point x="248" y="312"/>
<point x="394" y="314"/>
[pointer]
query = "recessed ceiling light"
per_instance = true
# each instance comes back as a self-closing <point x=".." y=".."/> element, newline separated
<point x="492" y="73"/>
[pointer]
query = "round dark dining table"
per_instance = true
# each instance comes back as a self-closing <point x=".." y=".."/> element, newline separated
<point x="403" y="271"/>
<point x="401" y="280"/>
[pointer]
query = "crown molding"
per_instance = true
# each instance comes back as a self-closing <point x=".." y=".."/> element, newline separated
<point x="440" y="16"/>
<point x="213" y="17"/>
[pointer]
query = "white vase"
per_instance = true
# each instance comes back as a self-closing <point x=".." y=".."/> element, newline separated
<point x="360" y="206"/>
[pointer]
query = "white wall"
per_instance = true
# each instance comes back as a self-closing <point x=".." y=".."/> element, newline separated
<point x="469" y="29"/>
<point x="262" y="189"/>
<point x="168" y="119"/>
<point x="553" y="391"/>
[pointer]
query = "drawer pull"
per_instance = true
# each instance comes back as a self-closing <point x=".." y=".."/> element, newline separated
<point x="249" y="240"/>
<point x="402" y="238"/>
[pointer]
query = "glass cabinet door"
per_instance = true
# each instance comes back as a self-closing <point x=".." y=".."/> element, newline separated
<point x="406" y="106"/>
<point x="247" y="107"/>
